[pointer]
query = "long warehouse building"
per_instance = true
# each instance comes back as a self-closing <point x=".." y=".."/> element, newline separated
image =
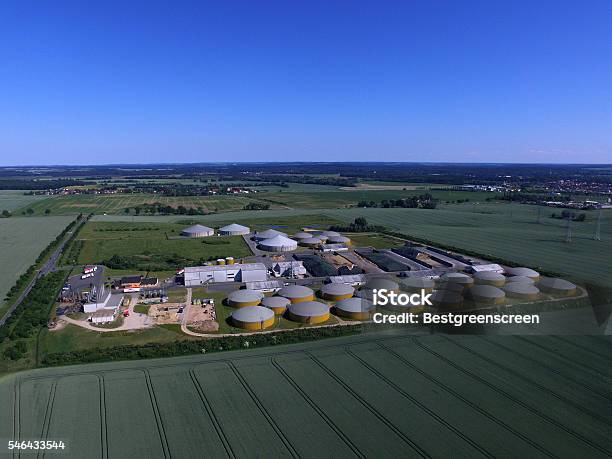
<point x="240" y="272"/>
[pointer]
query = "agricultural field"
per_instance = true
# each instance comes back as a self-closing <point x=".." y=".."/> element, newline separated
<point x="509" y="231"/>
<point x="21" y="241"/>
<point x="378" y="241"/>
<point x="152" y="246"/>
<point x="116" y="204"/>
<point x="11" y="200"/>
<point x="484" y="396"/>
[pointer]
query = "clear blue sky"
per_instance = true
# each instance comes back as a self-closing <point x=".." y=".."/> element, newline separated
<point x="135" y="81"/>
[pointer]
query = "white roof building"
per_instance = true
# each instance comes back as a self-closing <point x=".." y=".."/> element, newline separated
<point x="289" y="269"/>
<point x="492" y="267"/>
<point x="240" y="272"/>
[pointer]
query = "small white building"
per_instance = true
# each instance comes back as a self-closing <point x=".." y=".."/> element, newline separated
<point x="240" y="272"/>
<point x="492" y="267"/>
<point x="293" y="268"/>
<point x="333" y="248"/>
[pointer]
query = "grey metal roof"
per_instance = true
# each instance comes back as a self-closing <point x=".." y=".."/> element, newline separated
<point x="486" y="291"/>
<point x="197" y="229"/>
<point x="245" y="296"/>
<point x="355" y="305"/>
<point x="235" y="228"/>
<point x="308" y="309"/>
<point x="527" y="272"/>
<point x="275" y="302"/>
<point x="337" y="289"/>
<point x="380" y="284"/>
<point x="252" y="314"/>
<point x="295" y="291"/>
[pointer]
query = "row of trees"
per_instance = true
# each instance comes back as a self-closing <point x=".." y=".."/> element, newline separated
<point x="161" y="209"/>
<point x="423" y="201"/>
<point x="359" y="225"/>
<point x="256" y="206"/>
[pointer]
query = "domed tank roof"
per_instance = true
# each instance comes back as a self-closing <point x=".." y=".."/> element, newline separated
<point x="308" y="309"/>
<point x="311" y="241"/>
<point x="295" y="291"/>
<point x="527" y="272"/>
<point x="245" y="296"/>
<point x="234" y="228"/>
<point x="355" y="305"/>
<point x="381" y="284"/>
<point x="338" y="240"/>
<point x="486" y="292"/>
<point x="197" y="229"/>
<point x="523" y="279"/>
<point x="459" y="278"/>
<point x="337" y="289"/>
<point x="252" y="314"/>
<point x="521" y="289"/>
<point x="489" y="276"/>
<point x="268" y="234"/>
<point x="275" y="302"/>
<point x="417" y="283"/>
<point x="302" y="235"/>
<point x="554" y="284"/>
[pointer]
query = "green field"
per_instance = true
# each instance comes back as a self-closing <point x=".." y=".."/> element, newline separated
<point x="366" y="396"/>
<point x="21" y="241"/>
<point x="14" y="199"/>
<point x="151" y="247"/>
<point x="116" y="204"/>
<point x="508" y="231"/>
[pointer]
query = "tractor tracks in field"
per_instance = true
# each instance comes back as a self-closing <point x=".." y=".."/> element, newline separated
<point x="158" y="419"/>
<point x="468" y="402"/>
<point x="415" y="401"/>
<point x="514" y="399"/>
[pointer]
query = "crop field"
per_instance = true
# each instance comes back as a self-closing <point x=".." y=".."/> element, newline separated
<point x="151" y="246"/>
<point x="508" y="231"/>
<point x="11" y="200"/>
<point x="485" y="397"/>
<point x="21" y="241"/>
<point x="116" y="204"/>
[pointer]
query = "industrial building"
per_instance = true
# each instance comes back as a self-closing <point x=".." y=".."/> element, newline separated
<point x="278" y="243"/>
<point x="521" y="290"/>
<point x="333" y="247"/>
<point x="310" y="312"/>
<point x="557" y="286"/>
<point x="234" y="230"/>
<point x="265" y="286"/>
<point x="243" y="298"/>
<point x="297" y="293"/>
<point x="416" y="284"/>
<point x="486" y="294"/>
<point x="197" y="231"/>
<point x="293" y="268"/>
<point x="253" y="318"/>
<point x="489" y="278"/>
<point x="527" y="272"/>
<point x="267" y="234"/>
<point x="354" y="308"/>
<point x="350" y="279"/>
<point x="196" y="276"/>
<point x="337" y="292"/>
<point x="278" y="304"/>
<point x="491" y="267"/>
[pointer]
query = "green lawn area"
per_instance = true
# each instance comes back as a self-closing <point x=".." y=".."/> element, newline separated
<point x="15" y="199"/>
<point x="151" y="247"/>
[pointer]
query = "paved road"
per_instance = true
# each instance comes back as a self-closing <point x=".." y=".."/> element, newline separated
<point x="49" y="266"/>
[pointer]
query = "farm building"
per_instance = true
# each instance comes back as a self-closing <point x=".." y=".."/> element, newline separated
<point x="457" y="278"/>
<point x="521" y="290"/>
<point x="310" y="242"/>
<point x="243" y="298"/>
<point x="301" y="235"/>
<point x="234" y="230"/>
<point x="278" y="304"/>
<point x="311" y="312"/>
<point x="267" y="234"/>
<point x="103" y="316"/>
<point x="297" y="293"/>
<point x="557" y="286"/>
<point x="445" y="299"/>
<point x="527" y="272"/>
<point x="526" y="279"/>
<point x="197" y="231"/>
<point x="486" y="294"/>
<point x="337" y="292"/>
<point x="489" y="278"/>
<point x="354" y="308"/>
<point x="247" y="272"/>
<point x="278" y="243"/>
<point x="253" y="318"/>
<point x="416" y="284"/>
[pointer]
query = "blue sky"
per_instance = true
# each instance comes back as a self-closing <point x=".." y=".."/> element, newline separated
<point x="133" y="82"/>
